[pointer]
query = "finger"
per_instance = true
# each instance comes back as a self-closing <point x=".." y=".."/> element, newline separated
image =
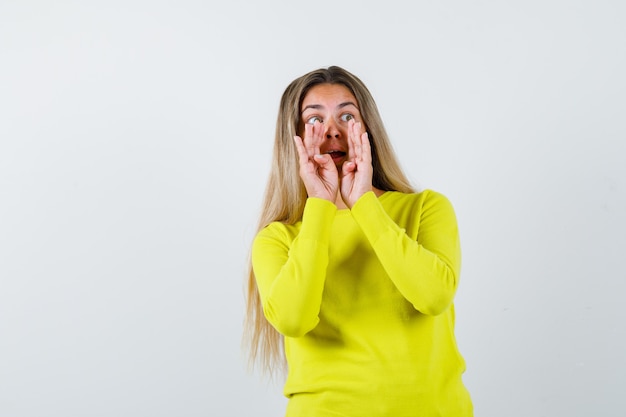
<point x="314" y="137"/>
<point x="303" y="155"/>
<point x="309" y="142"/>
<point x="366" y="148"/>
<point x="318" y="135"/>
<point x="351" y="151"/>
<point x="356" y="137"/>
<point x="362" y="143"/>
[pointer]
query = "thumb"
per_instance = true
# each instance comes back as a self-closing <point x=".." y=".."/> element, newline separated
<point x="323" y="160"/>
<point x="348" y="167"/>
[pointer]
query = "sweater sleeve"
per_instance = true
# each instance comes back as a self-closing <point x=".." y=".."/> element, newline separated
<point x="425" y="270"/>
<point x="290" y="273"/>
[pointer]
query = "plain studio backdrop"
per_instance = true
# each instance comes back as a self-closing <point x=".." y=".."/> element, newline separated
<point x="135" y="142"/>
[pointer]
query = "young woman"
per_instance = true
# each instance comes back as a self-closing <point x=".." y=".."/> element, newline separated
<point x="353" y="272"/>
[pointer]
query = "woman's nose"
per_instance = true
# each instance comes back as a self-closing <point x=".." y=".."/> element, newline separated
<point x="332" y="130"/>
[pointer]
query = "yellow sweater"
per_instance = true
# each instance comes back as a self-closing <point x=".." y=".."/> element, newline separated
<point x="364" y="300"/>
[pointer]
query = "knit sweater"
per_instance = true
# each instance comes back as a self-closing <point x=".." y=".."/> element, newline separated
<point x="364" y="299"/>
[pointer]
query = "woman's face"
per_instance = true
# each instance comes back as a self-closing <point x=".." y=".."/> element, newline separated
<point x="334" y="106"/>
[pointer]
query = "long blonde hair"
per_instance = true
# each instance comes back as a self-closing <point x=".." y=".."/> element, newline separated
<point x="285" y="194"/>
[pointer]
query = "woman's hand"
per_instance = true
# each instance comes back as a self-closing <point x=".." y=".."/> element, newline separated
<point x="356" y="172"/>
<point x="318" y="172"/>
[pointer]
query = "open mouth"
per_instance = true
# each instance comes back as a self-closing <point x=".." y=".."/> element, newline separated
<point x="336" y="155"/>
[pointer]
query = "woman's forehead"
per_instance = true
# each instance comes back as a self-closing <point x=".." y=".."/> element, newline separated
<point x="328" y="95"/>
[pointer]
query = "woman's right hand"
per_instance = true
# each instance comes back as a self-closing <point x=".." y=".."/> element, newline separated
<point x="318" y="172"/>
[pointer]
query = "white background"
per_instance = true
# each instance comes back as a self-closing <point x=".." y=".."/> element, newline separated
<point x="135" y="141"/>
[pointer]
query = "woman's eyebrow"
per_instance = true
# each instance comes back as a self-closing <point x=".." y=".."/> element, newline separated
<point x="347" y="103"/>
<point x="339" y="106"/>
<point x="313" y="106"/>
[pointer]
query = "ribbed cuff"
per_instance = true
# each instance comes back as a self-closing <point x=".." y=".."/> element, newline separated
<point x="317" y="219"/>
<point x="370" y="216"/>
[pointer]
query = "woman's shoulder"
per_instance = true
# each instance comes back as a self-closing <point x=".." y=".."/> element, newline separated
<point x="423" y="206"/>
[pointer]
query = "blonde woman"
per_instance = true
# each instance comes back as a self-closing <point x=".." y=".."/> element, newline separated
<point x="353" y="272"/>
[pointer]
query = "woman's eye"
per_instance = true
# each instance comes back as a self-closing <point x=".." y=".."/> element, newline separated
<point x="347" y="117"/>
<point x="311" y="120"/>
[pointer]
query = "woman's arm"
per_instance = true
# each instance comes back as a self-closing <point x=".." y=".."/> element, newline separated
<point x="290" y="272"/>
<point x="425" y="270"/>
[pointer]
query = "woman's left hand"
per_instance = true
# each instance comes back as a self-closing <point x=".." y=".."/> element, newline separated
<point x="356" y="172"/>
